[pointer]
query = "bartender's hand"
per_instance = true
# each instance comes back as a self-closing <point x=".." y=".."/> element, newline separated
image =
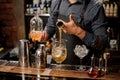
<point x="40" y="36"/>
<point x="71" y="28"/>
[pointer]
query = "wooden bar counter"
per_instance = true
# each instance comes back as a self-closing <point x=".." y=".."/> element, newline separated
<point x="55" y="73"/>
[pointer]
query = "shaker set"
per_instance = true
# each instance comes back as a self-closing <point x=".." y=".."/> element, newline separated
<point x="39" y="60"/>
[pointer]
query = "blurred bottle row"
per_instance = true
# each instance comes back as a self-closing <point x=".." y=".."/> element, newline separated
<point x="42" y="6"/>
<point x="111" y="9"/>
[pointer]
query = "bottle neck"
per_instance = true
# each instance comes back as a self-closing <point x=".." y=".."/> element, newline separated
<point x="36" y="13"/>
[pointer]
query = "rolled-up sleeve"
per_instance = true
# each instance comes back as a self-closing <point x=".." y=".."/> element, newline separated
<point x="98" y="37"/>
<point x="50" y="27"/>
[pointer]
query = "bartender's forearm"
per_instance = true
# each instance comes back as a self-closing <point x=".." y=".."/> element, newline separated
<point x="80" y="33"/>
<point x="95" y="41"/>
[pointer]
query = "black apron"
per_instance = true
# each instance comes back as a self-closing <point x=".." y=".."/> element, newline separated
<point x="73" y="40"/>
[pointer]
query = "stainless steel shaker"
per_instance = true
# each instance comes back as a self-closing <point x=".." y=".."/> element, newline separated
<point x="24" y="53"/>
<point x="40" y="57"/>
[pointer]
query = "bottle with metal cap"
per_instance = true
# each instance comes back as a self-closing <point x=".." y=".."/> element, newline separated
<point x="40" y="57"/>
<point x="36" y="26"/>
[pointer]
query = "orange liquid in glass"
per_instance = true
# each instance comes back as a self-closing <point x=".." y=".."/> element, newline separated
<point x="35" y="36"/>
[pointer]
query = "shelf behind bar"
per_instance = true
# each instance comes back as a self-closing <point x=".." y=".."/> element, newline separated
<point x="39" y="14"/>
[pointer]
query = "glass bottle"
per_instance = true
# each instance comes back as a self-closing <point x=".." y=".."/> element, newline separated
<point x="36" y="26"/>
<point x="27" y="9"/>
<point x="93" y="72"/>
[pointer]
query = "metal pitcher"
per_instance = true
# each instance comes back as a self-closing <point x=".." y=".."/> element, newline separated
<point x="24" y="53"/>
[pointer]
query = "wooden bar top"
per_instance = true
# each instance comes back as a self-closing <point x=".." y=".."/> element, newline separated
<point x="55" y="73"/>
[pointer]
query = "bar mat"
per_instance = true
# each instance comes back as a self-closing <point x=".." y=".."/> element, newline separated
<point x="66" y="67"/>
<point x="8" y="63"/>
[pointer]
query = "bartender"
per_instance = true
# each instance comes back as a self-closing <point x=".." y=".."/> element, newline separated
<point x="84" y="24"/>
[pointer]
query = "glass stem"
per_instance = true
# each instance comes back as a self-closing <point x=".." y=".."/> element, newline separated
<point x="59" y="66"/>
<point x="80" y="64"/>
<point x="80" y="61"/>
<point x="105" y="65"/>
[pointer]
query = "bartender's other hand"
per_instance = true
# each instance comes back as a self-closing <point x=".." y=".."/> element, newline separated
<point x="71" y="27"/>
<point x="40" y="36"/>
